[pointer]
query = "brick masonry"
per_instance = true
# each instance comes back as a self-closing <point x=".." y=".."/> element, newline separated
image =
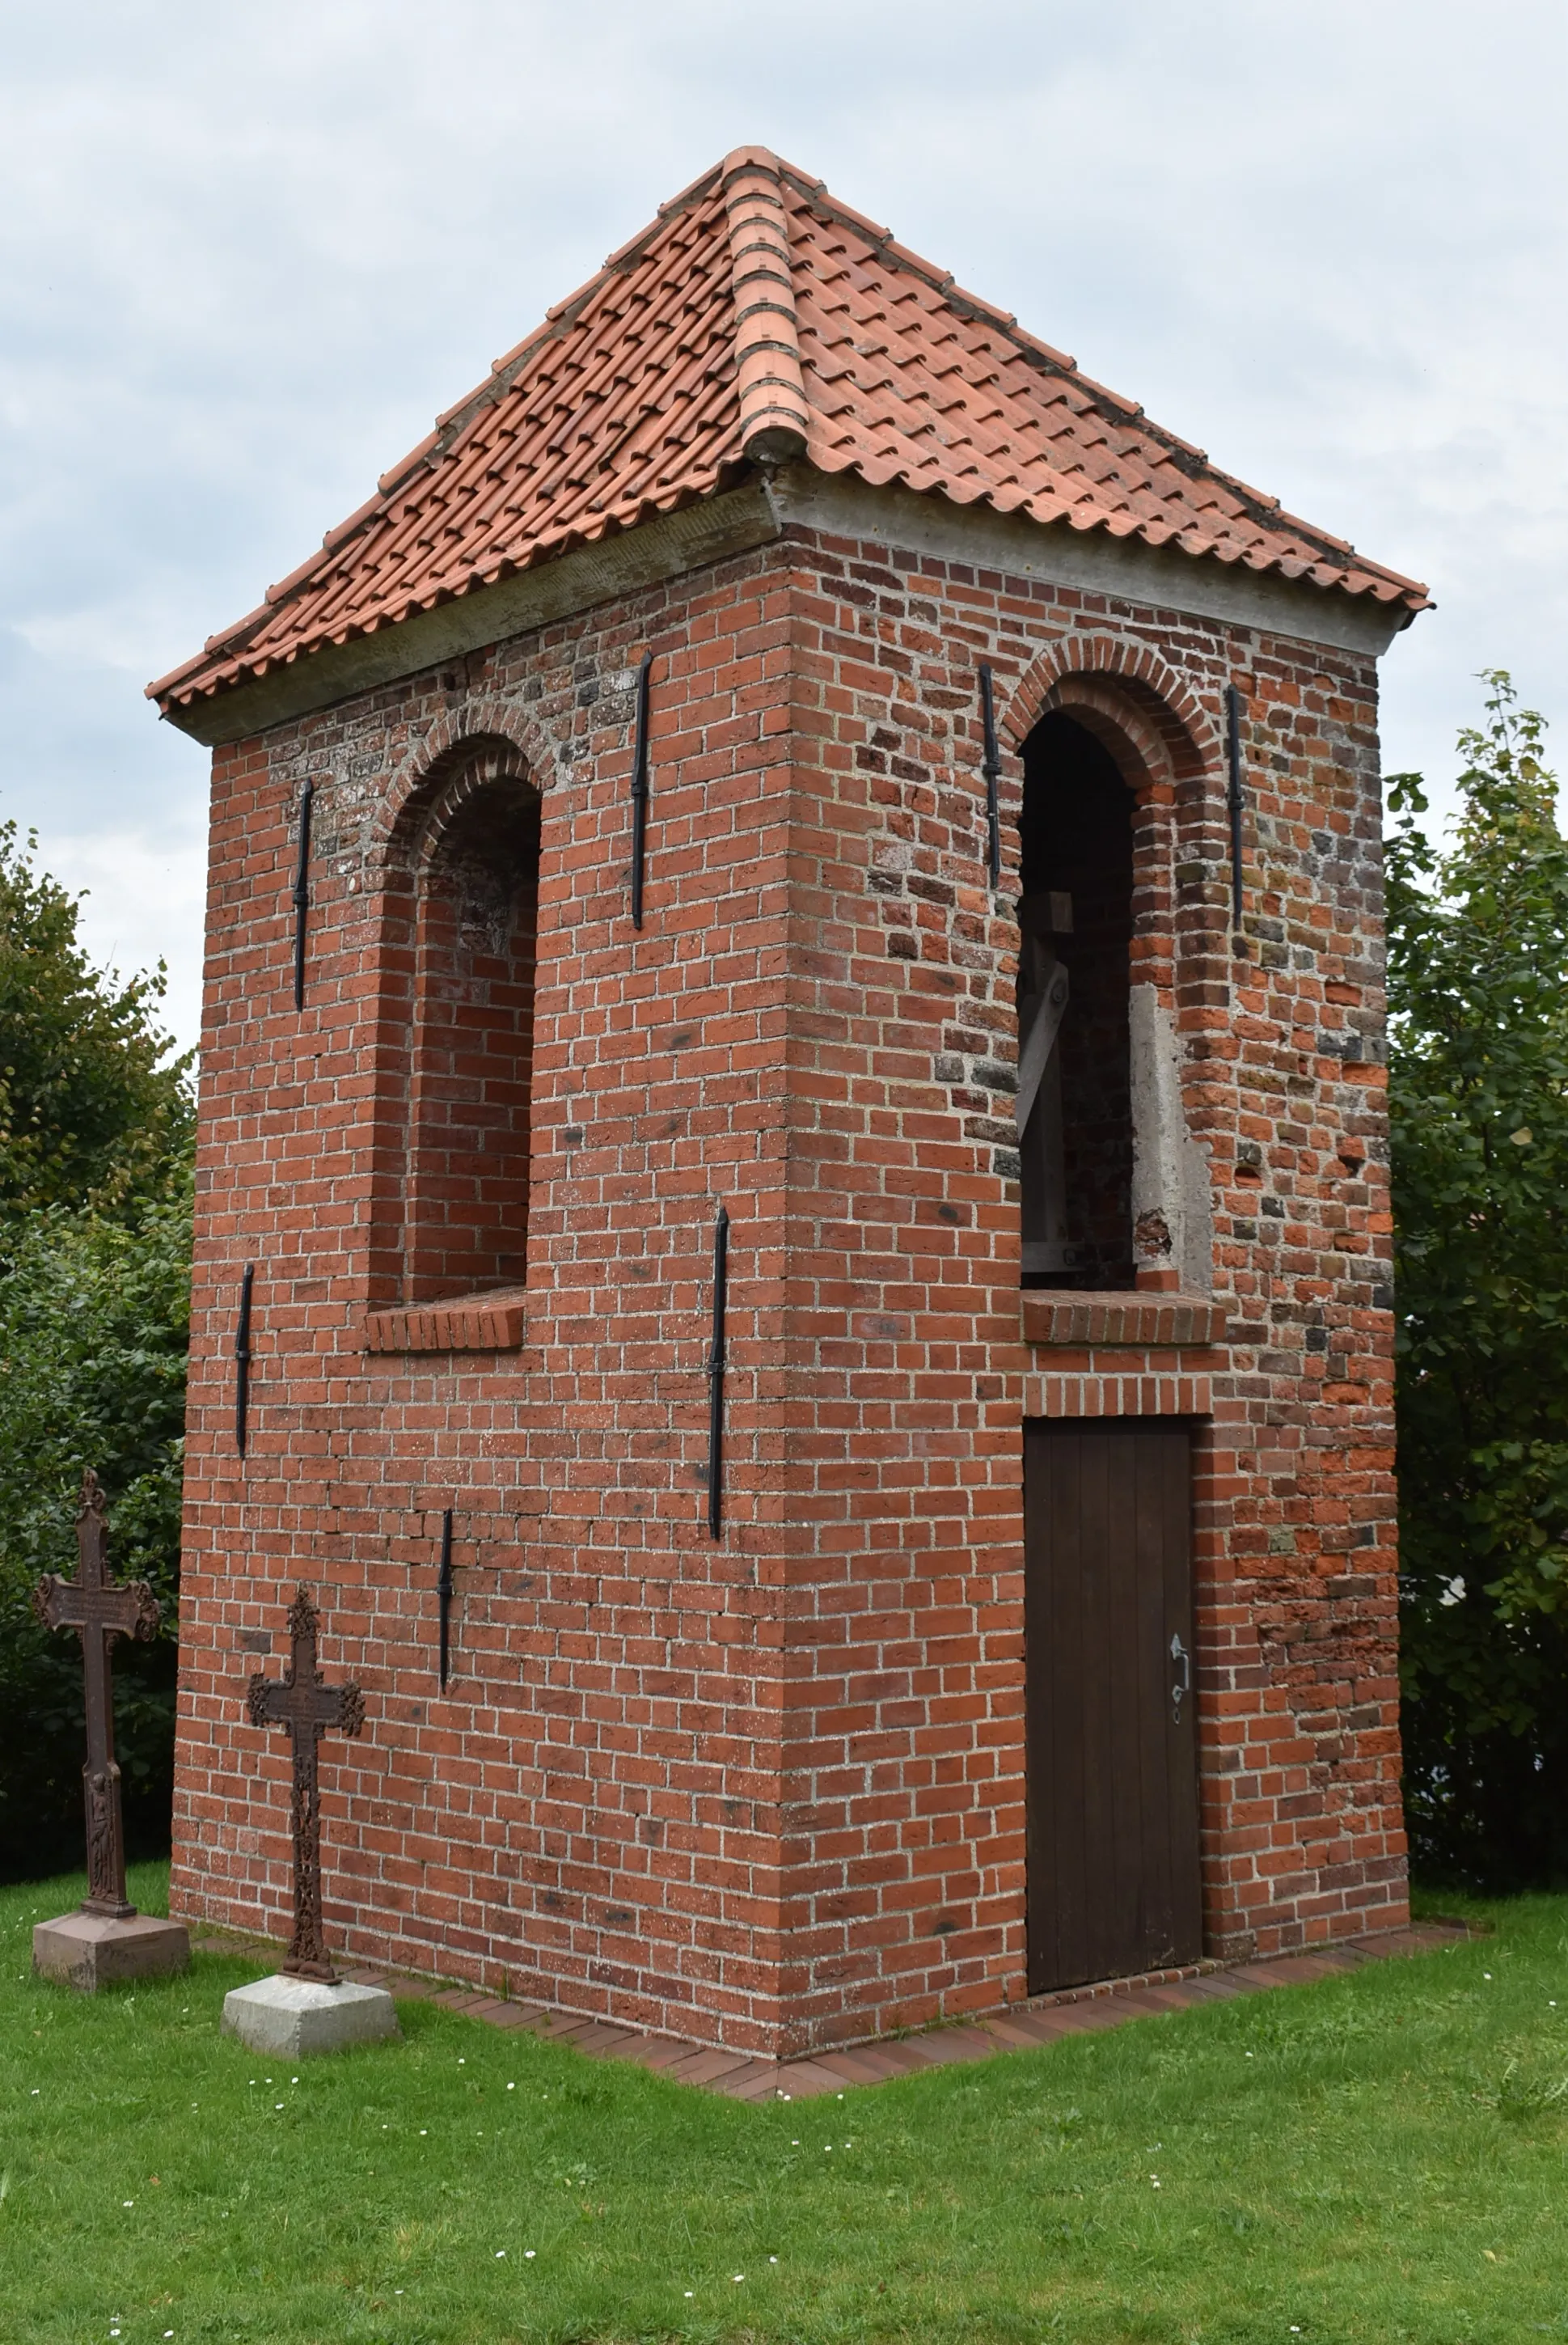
<point x="767" y="1792"/>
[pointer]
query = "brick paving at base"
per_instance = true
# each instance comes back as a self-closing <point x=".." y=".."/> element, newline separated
<point x="1023" y="2027"/>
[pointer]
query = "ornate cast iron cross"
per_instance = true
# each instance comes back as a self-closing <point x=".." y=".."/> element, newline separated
<point x="309" y="1710"/>
<point x="101" y="1612"/>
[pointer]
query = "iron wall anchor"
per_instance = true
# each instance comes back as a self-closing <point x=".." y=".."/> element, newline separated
<point x="715" y="1375"/>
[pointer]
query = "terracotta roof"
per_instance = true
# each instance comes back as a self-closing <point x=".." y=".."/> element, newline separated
<point x="756" y="319"/>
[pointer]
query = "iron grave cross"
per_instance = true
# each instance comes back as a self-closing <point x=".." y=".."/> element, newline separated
<point x="101" y="1612"/>
<point x="309" y="1709"/>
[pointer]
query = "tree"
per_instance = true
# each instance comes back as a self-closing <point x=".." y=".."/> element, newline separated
<point x="93" y="1111"/>
<point x="1478" y="988"/>
<point x="94" y="1322"/>
<point x="95" y="1124"/>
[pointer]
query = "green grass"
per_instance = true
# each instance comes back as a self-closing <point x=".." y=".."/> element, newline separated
<point x="1381" y="2157"/>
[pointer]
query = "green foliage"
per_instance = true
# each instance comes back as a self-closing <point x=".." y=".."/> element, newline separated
<point x="1478" y="986"/>
<point x="96" y="1126"/>
<point x="92" y="1111"/>
<point x="94" y="1322"/>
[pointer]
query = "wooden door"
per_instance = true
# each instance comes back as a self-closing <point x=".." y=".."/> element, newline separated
<point x="1113" y="1858"/>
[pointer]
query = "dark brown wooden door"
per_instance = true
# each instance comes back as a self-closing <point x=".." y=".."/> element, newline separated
<point x="1113" y="1860"/>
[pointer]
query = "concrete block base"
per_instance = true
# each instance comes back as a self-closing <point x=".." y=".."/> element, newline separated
<point x="292" y="2017"/>
<point x="87" y="1952"/>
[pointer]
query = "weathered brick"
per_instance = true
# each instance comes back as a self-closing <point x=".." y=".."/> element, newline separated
<point x="769" y="1792"/>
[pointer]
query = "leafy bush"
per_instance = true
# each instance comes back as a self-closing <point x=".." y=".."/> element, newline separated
<point x="94" y="1320"/>
<point x="91" y="1111"/>
<point x="95" y="1125"/>
<point x="1478" y="984"/>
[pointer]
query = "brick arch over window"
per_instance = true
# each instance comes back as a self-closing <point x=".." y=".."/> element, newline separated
<point x="459" y="932"/>
<point x="1168" y="745"/>
<point x="1157" y="712"/>
<point x="479" y="728"/>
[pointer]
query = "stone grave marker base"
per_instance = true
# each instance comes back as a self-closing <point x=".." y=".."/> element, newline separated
<point x="88" y="1951"/>
<point x="293" y="2018"/>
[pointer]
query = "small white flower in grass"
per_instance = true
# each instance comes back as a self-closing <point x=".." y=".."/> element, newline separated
<point x="501" y="2255"/>
<point x="423" y="2131"/>
<point x="128" y="2202"/>
<point x="528" y="2254"/>
<point x="1486" y="1973"/>
<point x="294" y="2080"/>
<point x="511" y="2089"/>
<point x="36" y="2089"/>
<point x="688" y="2291"/>
<point x="462" y="2063"/>
<point x="773" y="2259"/>
<point x="739" y="2277"/>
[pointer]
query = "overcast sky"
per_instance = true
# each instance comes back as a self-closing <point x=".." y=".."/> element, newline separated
<point x="250" y="251"/>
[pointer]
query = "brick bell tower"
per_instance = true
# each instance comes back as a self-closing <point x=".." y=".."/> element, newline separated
<point x="790" y="746"/>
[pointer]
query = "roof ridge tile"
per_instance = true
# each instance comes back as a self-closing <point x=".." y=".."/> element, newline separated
<point x="775" y="415"/>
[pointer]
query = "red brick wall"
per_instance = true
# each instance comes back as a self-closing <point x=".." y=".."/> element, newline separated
<point x="769" y="1790"/>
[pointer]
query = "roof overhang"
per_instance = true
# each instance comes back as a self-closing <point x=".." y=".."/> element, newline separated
<point x="740" y="520"/>
<point x="707" y="531"/>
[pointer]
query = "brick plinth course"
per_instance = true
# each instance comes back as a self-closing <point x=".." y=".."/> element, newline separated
<point x="766" y="1793"/>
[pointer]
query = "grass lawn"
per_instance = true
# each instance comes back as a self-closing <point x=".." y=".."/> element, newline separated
<point x="1380" y="2157"/>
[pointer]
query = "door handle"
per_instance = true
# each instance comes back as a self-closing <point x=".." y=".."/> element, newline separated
<point x="1182" y="1659"/>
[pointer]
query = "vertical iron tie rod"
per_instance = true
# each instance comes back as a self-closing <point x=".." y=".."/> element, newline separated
<point x="640" y="792"/>
<point x="302" y="893"/>
<point x="715" y="1375"/>
<point x="242" y="1358"/>
<point x="993" y="772"/>
<point x="1233" y="796"/>
<point x="444" y="1593"/>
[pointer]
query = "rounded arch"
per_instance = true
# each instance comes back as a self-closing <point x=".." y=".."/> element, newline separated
<point x="458" y="931"/>
<point x="1140" y="709"/>
<point x="487" y="740"/>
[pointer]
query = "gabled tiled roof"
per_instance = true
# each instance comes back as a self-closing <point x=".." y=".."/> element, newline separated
<point x="757" y="318"/>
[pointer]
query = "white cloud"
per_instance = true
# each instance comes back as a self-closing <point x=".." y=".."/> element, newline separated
<point x="139" y="892"/>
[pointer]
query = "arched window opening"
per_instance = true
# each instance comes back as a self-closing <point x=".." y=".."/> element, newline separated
<point x="465" y="1221"/>
<point x="1074" y="1092"/>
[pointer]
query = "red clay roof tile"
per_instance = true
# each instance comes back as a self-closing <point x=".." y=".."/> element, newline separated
<point x="753" y="316"/>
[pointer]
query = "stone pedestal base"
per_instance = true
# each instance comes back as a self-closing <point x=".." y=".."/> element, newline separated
<point x="87" y="1952"/>
<point x="293" y="2016"/>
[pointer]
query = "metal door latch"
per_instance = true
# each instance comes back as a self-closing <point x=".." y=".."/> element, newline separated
<point x="1181" y="1659"/>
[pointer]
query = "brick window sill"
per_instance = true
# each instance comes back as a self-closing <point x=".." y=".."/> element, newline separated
<point x="488" y="1322"/>
<point x="1082" y="1321"/>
